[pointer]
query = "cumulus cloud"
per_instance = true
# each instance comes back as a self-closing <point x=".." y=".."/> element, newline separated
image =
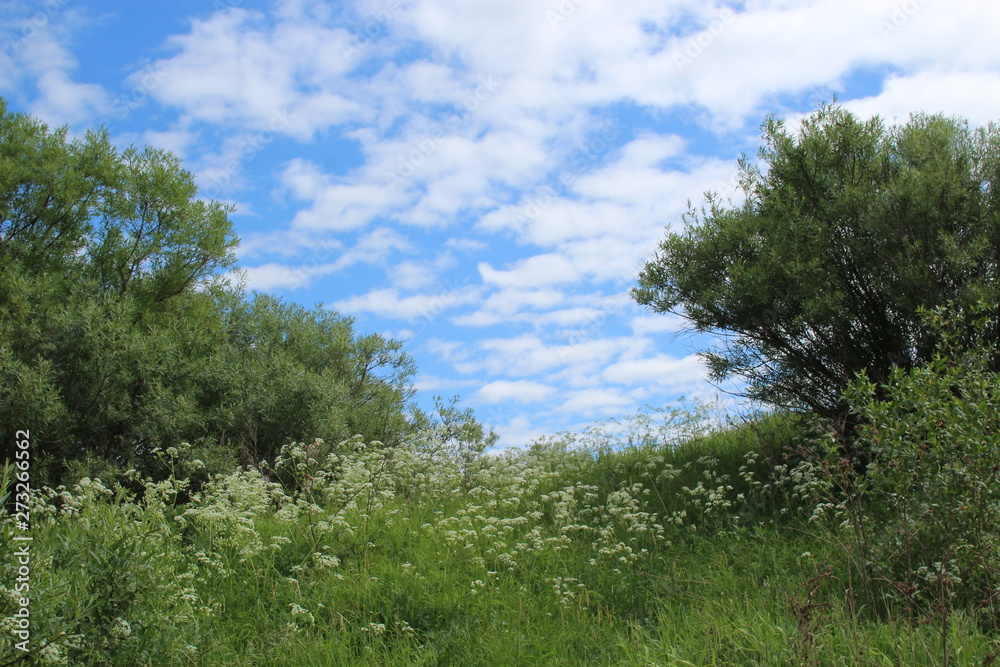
<point x="389" y="303"/>
<point x="317" y="257"/>
<point x="64" y="101"/>
<point x="521" y="391"/>
<point x="597" y="402"/>
<point x="535" y="271"/>
<point x="974" y="95"/>
<point x="510" y="166"/>
<point x="37" y="55"/>
<point x="661" y="369"/>
<point x="236" y="66"/>
<point x="510" y="304"/>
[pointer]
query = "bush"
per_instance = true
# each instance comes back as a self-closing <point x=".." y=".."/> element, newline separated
<point x="929" y="530"/>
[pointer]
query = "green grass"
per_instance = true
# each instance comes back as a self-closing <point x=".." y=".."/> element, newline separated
<point x="641" y="555"/>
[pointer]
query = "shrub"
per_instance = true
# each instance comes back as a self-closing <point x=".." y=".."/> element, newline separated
<point x="932" y="494"/>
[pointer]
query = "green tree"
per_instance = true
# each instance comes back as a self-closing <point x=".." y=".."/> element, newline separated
<point x="847" y="230"/>
<point x="288" y="373"/>
<point x="119" y="335"/>
<point x="107" y="261"/>
<point x="83" y="208"/>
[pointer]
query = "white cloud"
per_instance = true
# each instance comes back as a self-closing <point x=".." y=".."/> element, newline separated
<point x="465" y="245"/>
<point x="417" y="308"/>
<point x="519" y="431"/>
<point x="432" y="384"/>
<point x="663" y="370"/>
<point x="547" y="307"/>
<point x="974" y="95"/>
<point x="597" y="402"/>
<point x="8" y="72"/>
<point x="336" y="203"/>
<point x="64" y="101"/>
<point x="541" y="84"/>
<point x="234" y="68"/>
<point x="521" y="391"/>
<point x="576" y="362"/>
<point x="511" y="303"/>
<point x="285" y="244"/>
<point x="272" y="275"/>
<point x="38" y="54"/>
<point x="665" y="323"/>
<point x="547" y="269"/>
<point x="317" y="257"/>
<point x="625" y="203"/>
<point x="414" y="275"/>
<point x="572" y="317"/>
<point x="304" y="179"/>
<point x="496" y="122"/>
<point x="343" y="207"/>
<point x="176" y="141"/>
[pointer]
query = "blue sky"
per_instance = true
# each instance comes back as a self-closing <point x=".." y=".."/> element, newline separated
<point x="484" y="180"/>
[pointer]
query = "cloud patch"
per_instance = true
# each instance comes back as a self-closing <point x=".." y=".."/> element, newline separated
<point x="521" y="391"/>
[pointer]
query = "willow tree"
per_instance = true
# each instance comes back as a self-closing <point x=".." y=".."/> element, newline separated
<point x="849" y="228"/>
<point x="119" y="334"/>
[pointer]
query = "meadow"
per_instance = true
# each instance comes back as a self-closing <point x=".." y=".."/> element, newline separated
<point x="218" y="477"/>
<point x="665" y="539"/>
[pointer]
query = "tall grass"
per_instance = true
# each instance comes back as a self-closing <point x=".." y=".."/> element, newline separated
<point x="656" y="542"/>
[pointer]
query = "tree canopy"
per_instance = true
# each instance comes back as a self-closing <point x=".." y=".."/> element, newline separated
<point x="849" y="229"/>
<point x="119" y="332"/>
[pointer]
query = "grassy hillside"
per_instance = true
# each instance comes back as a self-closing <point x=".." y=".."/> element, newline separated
<point x="659" y="544"/>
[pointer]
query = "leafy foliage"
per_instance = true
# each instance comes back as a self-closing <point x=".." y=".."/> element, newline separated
<point x="607" y="548"/>
<point x="397" y="537"/>
<point x="119" y="332"/>
<point x="848" y="229"/>
<point x="934" y="487"/>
